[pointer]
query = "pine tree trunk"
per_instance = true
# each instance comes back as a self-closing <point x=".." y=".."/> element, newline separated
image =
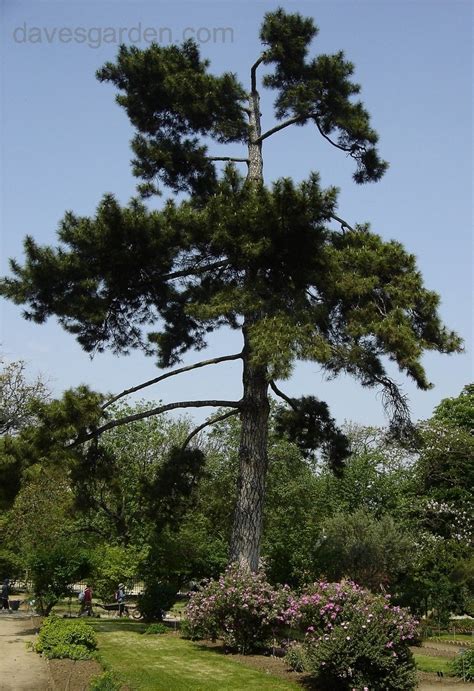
<point x="253" y="458"/>
<point x="253" y="462"/>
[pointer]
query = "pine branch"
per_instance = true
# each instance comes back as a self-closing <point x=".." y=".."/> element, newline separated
<point x="349" y="150"/>
<point x="303" y="118"/>
<point x="290" y="401"/>
<point x="227" y="158"/>
<point x="193" y="271"/>
<point x="212" y="421"/>
<point x="167" y="375"/>
<point x="212" y="403"/>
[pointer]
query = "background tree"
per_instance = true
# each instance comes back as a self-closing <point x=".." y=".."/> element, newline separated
<point x="264" y="260"/>
<point x="18" y="399"/>
<point x="41" y="530"/>
<point x="137" y="482"/>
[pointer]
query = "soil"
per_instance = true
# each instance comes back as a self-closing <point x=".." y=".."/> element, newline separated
<point x="71" y="675"/>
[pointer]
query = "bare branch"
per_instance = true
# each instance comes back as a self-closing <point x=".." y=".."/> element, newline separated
<point x="227" y="158"/>
<point x="282" y="125"/>
<point x="344" y="224"/>
<point x="212" y="421"/>
<point x="253" y="72"/>
<point x="167" y="375"/>
<point x="282" y="395"/>
<point x="151" y="413"/>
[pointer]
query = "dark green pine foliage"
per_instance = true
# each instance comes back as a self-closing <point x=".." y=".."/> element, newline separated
<point x="275" y="261"/>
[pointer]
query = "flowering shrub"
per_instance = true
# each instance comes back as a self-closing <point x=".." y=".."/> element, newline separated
<point x="241" y="608"/>
<point x="352" y="638"/>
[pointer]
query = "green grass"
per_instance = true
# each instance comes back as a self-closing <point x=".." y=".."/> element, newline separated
<point x="170" y="663"/>
<point x="431" y="663"/>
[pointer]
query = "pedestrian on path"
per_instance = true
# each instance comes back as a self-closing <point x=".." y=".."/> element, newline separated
<point x="6" y="594"/>
<point x="121" y="597"/>
<point x="86" y="602"/>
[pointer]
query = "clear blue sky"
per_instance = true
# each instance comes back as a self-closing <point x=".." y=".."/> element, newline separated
<point x="65" y="143"/>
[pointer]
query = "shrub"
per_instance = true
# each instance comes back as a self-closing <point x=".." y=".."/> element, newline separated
<point x="157" y="599"/>
<point x="463" y="665"/>
<point x="62" y="638"/>
<point x="241" y="608"/>
<point x="107" y="681"/>
<point x="156" y="628"/>
<point x="352" y="639"/>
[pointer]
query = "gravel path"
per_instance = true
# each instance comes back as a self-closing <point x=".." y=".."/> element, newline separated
<point x="21" y="669"/>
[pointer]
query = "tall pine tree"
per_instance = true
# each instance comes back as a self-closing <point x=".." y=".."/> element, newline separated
<point x="275" y="262"/>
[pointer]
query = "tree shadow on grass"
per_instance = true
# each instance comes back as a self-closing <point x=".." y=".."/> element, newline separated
<point x="261" y="661"/>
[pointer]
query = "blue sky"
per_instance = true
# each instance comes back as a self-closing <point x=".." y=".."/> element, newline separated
<point x="65" y="143"/>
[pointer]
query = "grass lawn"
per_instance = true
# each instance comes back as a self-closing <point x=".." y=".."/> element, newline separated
<point x="167" y="662"/>
<point x="431" y="663"/>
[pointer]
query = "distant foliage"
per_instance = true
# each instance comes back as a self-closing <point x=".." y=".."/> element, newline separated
<point x="352" y="638"/>
<point x="62" y="638"/>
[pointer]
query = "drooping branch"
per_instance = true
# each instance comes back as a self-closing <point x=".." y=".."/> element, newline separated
<point x="303" y="118"/>
<point x="395" y="403"/>
<point x="227" y="158"/>
<point x="212" y="421"/>
<point x="151" y="413"/>
<point x="291" y="402"/>
<point x="347" y="149"/>
<point x="167" y="375"/>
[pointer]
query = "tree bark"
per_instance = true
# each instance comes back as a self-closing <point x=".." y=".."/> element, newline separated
<point x="253" y="458"/>
<point x="253" y="463"/>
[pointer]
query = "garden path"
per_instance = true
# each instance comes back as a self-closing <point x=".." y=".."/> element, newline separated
<point x="20" y="668"/>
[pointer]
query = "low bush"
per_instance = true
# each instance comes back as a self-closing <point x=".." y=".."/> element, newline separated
<point x="107" y="681"/>
<point x="65" y="638"/>
<point x="463" y="665"/>
<point x="157" y="599"/>
<point x="241" y="608"/>
<point x="352" y="639"/>
<point x="156" y="629"/>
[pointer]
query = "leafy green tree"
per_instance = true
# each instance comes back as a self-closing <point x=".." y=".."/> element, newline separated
<point x="373" y="552"/>
<point x="458" y="411"/>
<point x="137" y="480"/>
<point x="275" y="262"/>
<point x="40" y="528"/>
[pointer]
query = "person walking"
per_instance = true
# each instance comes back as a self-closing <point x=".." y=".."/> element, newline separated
<point x="86" y="602"/>
<point x="121" y="598"/>
<point x="6" y="595"/>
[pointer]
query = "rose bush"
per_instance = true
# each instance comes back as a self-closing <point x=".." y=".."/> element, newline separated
<point x="241" y="608"/>
<point x="351" y="638"/>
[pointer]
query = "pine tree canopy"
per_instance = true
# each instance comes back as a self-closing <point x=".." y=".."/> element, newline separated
<point x="340" y="299"/>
